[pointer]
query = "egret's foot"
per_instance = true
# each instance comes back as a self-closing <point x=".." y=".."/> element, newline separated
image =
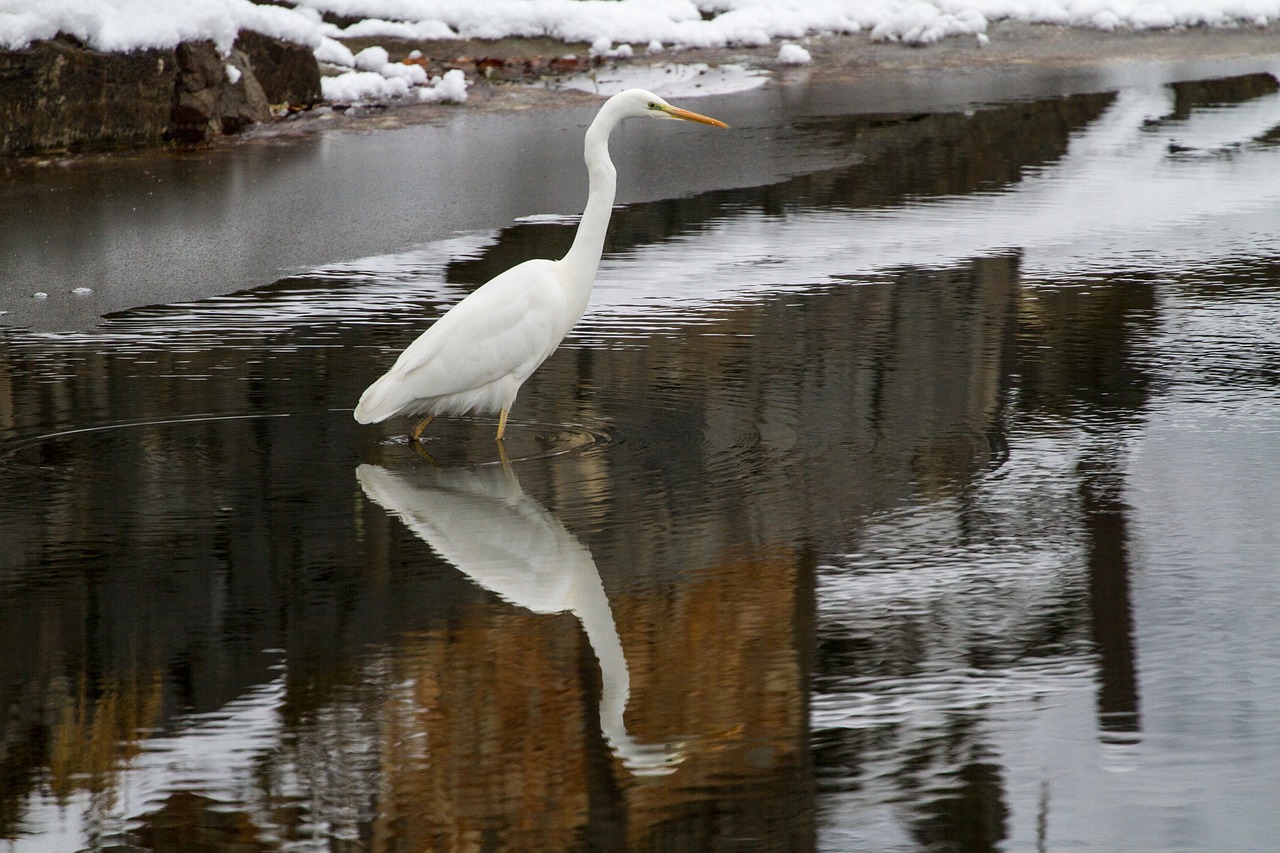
<point x="415" y="434"/>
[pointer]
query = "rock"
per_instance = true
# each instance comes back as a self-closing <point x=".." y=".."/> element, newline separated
<point x="288" y="73"/>
<point x="59" y="95"/>
<point x="205" y="100"/>
<point x="242" y="101"/>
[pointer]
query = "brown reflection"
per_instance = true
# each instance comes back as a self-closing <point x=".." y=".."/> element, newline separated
<point x="191" y="823"/>
<point x="483" y="523"/>
<point x="97" y="730"/>
<point x="95" y="735"/>
<point x="483" y="746"/>
<point x="498" y="742"/>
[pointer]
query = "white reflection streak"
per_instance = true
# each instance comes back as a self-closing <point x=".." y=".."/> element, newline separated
<point x="1119" y="198"/>
<point x="213" y="754"/>
<point x="482" y="522"/>
<point x="1135" y="190"/>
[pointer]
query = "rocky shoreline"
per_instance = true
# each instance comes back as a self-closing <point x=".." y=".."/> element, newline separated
<point x="59" y="97"/>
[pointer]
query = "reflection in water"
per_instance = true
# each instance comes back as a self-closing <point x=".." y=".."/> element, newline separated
<point x="1111" y="607"/>
<point x="934" y="495"/>
<point x="483" y="523"/>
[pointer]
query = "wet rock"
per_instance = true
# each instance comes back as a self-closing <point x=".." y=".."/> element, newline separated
<point x="288" y="73"/>
<point x="59" y="95"/>
<point x="242" y="101"/>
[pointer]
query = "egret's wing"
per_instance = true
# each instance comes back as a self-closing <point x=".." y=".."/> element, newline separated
<point x="507" y="326"/>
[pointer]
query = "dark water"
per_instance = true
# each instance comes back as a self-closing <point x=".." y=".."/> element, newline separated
<point x="927" y="503"/>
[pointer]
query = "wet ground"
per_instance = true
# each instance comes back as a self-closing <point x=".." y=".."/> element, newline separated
<point x="911" y="486"/>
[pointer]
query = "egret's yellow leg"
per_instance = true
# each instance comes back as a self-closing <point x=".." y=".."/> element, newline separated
<point x="416" y="432"/>
<point x="502" y="423"/>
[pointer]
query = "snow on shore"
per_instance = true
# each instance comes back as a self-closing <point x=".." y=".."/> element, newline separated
<point x="123" y="25"/>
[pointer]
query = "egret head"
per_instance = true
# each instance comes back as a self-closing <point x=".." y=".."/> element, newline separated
<point x="642" y="103"/>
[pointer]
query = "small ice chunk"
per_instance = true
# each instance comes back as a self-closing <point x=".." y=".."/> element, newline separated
<point x="793" y="54"/>
<point x="233" y="74"/>
<point x="82" y="291"/>
<point x="983" y="40"/>
<point x="655" y="46"/>
<point x="39" y="294"/>
<point x="415" y="54"/>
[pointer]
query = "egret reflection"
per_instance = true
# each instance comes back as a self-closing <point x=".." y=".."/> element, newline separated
<point x="481" y="521"/>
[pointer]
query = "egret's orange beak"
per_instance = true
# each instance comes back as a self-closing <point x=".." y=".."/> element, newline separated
<point x="689" y="115"/>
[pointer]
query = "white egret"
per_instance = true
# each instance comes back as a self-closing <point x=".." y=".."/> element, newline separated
<point x="476" y="357"/>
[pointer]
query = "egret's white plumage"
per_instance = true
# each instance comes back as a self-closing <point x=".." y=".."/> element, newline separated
<point x="476" y="357"/>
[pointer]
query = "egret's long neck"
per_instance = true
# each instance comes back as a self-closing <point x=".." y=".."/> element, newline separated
<point x="583" y="259"/>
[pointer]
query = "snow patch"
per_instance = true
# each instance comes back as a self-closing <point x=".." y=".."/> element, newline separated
<point x="334" y="52"/>
<point x="124" y="25"/>
<point x="357" y="87"/>
<point x="128" y="25"/>
<point x="451" y="88"/>
<point x="793" y="54"/>
<point x="371" y="59"/>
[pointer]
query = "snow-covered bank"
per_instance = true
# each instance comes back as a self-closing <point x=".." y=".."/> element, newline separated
<point x="725" y="23"/>
<point x="124" y="25"/>
<point x="324" y="33"/>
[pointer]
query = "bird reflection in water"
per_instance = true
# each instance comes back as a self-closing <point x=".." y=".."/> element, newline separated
<point x="481" y="521"/>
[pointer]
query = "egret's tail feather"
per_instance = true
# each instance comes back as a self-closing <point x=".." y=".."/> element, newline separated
<point x="378" y="402"/>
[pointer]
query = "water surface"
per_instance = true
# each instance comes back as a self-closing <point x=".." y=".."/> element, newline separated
<point x="924" y="502"/>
